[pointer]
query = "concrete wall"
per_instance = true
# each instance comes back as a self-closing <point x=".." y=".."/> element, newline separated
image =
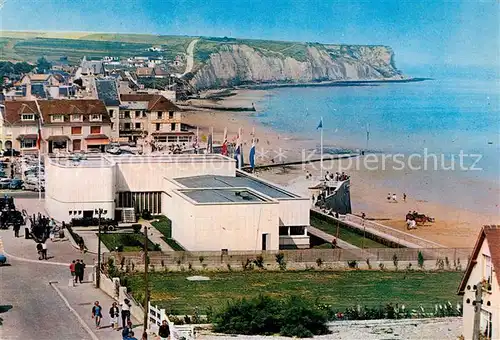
<point x="224" y="226"/>
<point x="70" y="188"/>
<point x="493" y="297"/>
<point x="294" y="212"/>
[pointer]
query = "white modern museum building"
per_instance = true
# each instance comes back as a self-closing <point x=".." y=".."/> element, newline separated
<point x="212" y="205"/>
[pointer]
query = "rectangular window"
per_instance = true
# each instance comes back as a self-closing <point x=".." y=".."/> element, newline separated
<point x="112" y="113"/>
<point x="160" y="115"/>
<point x="170" y="114"/>
<point x="172" y="139"/>
<point x="138" y="126"/>
<point x="137" y="114"/>
<point x="57" y="118"/>
<point x="172" y="127"/>
<point x="486" y="324"/>
<point x="127" y="114"/>
<point x="28" y="116"/>
<point x="158" y="126"/>
<point x="76" y="118"/>
<point x="95" y="130"/>
<point x="76" y="130"/>
<point x="121" y="115"/>
<point x="183" y="139"/>
<point x="161" y="139"/>
<point x="126" y="126"/>
<point x="28" y="143"/>
<point x="95" y="118"/>
<point x="144" y="114"/>
<point x="488" y="268"/>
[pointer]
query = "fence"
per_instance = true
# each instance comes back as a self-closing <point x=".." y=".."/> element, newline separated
<point x="452" y="258"/>
<point x="177" y="332"/>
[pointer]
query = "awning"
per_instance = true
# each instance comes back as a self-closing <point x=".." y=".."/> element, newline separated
<point x="97" y="141"/>
<point x="58" y="138"/>
<point x="29" y="136"/>
<point x="173" y="133"/>
<point x="97" y="136"/>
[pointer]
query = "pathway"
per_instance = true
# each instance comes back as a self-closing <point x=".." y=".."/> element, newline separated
<point x="155" y="236"/>
<point x="190" y="56"/>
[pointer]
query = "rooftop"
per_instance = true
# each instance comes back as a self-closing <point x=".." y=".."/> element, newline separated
<point x="107" y="91"/>
<point x="209" y="181"/>
<point x="96" y="161"/>
<point x="233" y="195"/>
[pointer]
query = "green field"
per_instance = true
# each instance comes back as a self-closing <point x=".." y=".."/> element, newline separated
<point x="340" y="289"/>
<point x="345" y="234"/>
<point x="130" y="242"/>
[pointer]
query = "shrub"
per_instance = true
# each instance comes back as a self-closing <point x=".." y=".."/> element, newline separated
<point x="440" y="264"/>
<point x="420" y="259"/>
<point x="136" y="227"/>
<point x="280" y="259"/>
<point x="263" y="315"/>
<point x="319" y="262"/>
<point x="447" y="262"/>
<point x="352" y="264"/>
<point x="381" y="266"/>
<point x="146" y="214"/>
<point x="259" y="262"/>
<point x="201" y="259"/>
<point x="368" y="264"/>
<point x="395" y="261"/>
<point x="157" y="247"/>
<point x="248" y="265"/>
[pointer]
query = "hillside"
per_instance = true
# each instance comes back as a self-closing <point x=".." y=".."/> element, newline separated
<point x="217" y="62"/>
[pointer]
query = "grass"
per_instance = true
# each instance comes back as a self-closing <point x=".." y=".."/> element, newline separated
<point x="130" y="242"/>
<point x="164" y="226"/>
<point x="340" y="289"/>
<point x="345" y="234"/>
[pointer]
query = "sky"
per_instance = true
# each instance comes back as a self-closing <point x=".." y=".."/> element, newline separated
<point x="421" y="32"/>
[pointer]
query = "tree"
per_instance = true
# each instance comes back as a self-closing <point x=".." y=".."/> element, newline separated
<point x="42" y="65"/>
<point x="23" y="67"/>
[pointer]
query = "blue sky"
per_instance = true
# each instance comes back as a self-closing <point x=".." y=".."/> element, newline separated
<point x="421" y="32"/>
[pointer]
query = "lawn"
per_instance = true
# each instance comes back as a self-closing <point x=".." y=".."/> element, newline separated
<point x="164" y="226"/>
<point x="345" y="234"/>
<point x="130" y="242"/>
<point x="341" y="289"/>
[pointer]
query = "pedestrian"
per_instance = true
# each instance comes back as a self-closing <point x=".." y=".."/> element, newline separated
<point x="334" y="243"/>
<point x="72" y="270"/>
<point x="125" y="312"/>
<point x="52" y="226"/>
<point x="394" y="198"/>
<point x="404" y="197"/>
<point x="17" y="226"/>
<point x="82" y="271"/>
<point x="164" y="330"/>
<point x="39" y="250"/>
<point x="78" y="270"/>
<point x="97" y="314"/>
<point x="114" y="313"/>
<point x="126" y="331"/>
<point x="363" y="216"/>
<point x="44" y="251"/>
<point x="131" y="336"/>
<point x="388" y="197"/>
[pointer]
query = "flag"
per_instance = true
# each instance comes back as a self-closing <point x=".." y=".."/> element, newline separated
<point x="320" y="125"/>
<point x="39" y="135"/>
<point x="251" y="155"/>
<point x="237" y="156"/>
<point x="224" y="143"/>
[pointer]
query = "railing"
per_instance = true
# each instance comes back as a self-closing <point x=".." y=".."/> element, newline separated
<point x="398" y="234"/>
<point x="156" y="317"/>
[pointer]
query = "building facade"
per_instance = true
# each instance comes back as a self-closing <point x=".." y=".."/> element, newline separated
<point x="66" y="125"/>
<point x="483" y="269"/>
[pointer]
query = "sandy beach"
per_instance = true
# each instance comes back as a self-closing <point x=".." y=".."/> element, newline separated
<point x="457" y="221"/>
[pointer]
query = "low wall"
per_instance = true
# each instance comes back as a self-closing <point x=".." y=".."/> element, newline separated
<point x="331" y="259"/>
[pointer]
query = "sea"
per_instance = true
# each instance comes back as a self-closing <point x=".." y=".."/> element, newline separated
<point x="452" y="114"/>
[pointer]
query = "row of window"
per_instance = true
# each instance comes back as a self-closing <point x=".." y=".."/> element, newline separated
<point x="139" y="126"/>
<point x="172" y="139"/>
<point x="77" y="130"/>
<point x="127" y="114"/>
<point x="60" y="118"/>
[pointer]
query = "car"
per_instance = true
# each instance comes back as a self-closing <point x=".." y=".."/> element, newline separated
<point x="3" y="259"/>
<point x="5" y="183"/>
<point x="16" y="184"/>
<point x="34" y="186"/>
<point x="12" y="152"/>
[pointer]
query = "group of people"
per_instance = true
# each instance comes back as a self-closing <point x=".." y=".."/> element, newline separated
<point x="329" y="176"/>
<point x="77" y="269"/>
<point x="394" y="199"/>
<point x="41" y="249"/>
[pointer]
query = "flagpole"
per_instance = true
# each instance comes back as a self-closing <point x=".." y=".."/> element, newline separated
<point x="321" y="151"/>
<point x="39" y="173"/>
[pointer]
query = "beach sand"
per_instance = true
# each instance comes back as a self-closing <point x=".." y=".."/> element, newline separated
<point x="458" y="221"/>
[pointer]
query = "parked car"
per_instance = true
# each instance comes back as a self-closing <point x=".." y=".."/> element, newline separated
<point x="10" y="153"/>
<point x="5" y="183"/>
<point x="16" y="184"/>
<point x="34" y="186"/>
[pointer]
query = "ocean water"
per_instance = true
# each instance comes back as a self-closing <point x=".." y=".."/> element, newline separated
<point x="445" y="116"/>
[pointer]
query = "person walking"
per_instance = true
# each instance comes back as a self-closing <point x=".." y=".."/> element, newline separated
<point x="82" y="271"/>
<point x="131" y="336"/>
<point x="39" y="250"/>
<point x="44" y="251"/>
<point x="78" y="270"/>
<point x="126" y="331"/>
<point x="114" y="313"/>
<point x="72" y="270"/>
<point x="164" y="330"/>
<point x="125" y="312"/>
<point x="16" y="227"/>
<point x="97" y="314"/>
<point x="404" y="196"/>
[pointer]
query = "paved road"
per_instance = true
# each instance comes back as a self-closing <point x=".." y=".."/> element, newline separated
<point x="36" y="310"/>
<point x="190" y="56"/>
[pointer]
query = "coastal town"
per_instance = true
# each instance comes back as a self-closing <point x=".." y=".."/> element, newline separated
<point x="209" y="187"/>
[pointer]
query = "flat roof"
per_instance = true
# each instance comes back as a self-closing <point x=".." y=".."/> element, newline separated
<point x="210" y="181"/>
<point x="83" y="161"/>
<point x="221" y="195"/>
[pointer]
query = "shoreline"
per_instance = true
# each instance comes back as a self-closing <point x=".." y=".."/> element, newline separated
<point x="454" y="226"/>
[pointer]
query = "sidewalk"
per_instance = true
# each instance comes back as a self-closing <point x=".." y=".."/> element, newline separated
<point x="155" y="236"/>
<point x="82" y="298"/>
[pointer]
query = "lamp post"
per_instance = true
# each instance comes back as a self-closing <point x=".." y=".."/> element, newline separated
<point x="98" y="277"/>
<point x="146" y="282"/>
